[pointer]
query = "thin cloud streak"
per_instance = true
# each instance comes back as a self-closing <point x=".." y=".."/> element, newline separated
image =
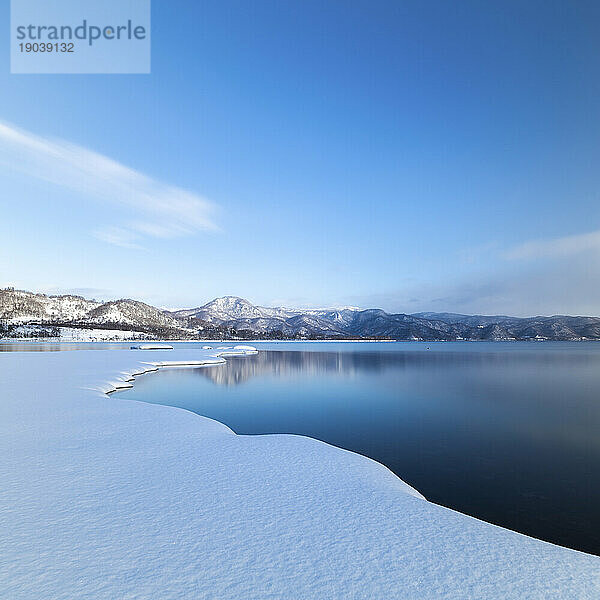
<point x="162" y="210"/>
<point x="556" y="248"/>
<point x="118" y="236"/>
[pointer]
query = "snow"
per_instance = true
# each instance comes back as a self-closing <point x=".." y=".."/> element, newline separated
<point x="103" y="497"/>
<point x="152" y="347"/>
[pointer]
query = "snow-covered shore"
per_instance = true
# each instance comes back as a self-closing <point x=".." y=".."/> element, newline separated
<point x="103" y="497"/>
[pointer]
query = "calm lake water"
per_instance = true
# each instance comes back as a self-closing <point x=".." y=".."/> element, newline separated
<point x="506" y="432"/>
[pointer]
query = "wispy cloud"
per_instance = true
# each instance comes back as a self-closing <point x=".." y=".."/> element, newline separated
<point x="161" y="210"/>
<point x="556" y="247"/>
<point x="118" y="236"/>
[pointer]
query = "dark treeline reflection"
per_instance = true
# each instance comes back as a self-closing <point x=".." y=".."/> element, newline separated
<point x="284" y="362"/>
<point x="61" y="347"/>
<point x="509" y="436"/>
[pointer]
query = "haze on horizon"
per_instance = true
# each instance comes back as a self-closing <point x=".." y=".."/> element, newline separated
<point x="431" y="157"/>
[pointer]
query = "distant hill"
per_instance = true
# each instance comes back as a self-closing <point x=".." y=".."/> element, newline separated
<point x="231" y="316"/>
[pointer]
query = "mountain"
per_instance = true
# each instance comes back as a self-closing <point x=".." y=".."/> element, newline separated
<point x="220" y="310"/>
<point x="131" y="313"/>
<point x="233" y="317"/>
<point x="25" y="308"/>
<point x="239" y="314"/>
<point x="472" y="320"/>
<point x="557" y="327"/>
<point x="246" y="319"/>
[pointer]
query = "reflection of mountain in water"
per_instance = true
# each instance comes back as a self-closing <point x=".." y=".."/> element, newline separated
<point x="283" y="363"/>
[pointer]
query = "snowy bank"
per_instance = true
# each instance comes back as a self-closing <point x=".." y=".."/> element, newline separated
<point x="103" y="497"/>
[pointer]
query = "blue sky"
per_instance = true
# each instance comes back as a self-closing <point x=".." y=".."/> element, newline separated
<point x="413" y="156"/>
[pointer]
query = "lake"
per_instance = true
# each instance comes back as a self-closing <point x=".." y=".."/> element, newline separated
<point x="506" y="432"/>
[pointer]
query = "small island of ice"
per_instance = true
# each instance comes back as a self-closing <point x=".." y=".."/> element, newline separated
<point x="152" y="347"/>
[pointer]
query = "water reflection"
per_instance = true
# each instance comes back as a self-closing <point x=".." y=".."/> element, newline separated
<point x="285" y="363"/>
<point x="508" y="436"/>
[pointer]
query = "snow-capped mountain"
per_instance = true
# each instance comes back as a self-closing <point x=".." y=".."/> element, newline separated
<point x="231" y="316"/>
<point x="232" y="308"/>
<point x="220" y="310"/>
<point x="244" y="317"/>
<point x="18" y="306"/>
<point x="131" y="312"/>
<point x="240" y="314"/>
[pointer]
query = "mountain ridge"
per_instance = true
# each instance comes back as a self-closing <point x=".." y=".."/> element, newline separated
<point x="235" y="317"/>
